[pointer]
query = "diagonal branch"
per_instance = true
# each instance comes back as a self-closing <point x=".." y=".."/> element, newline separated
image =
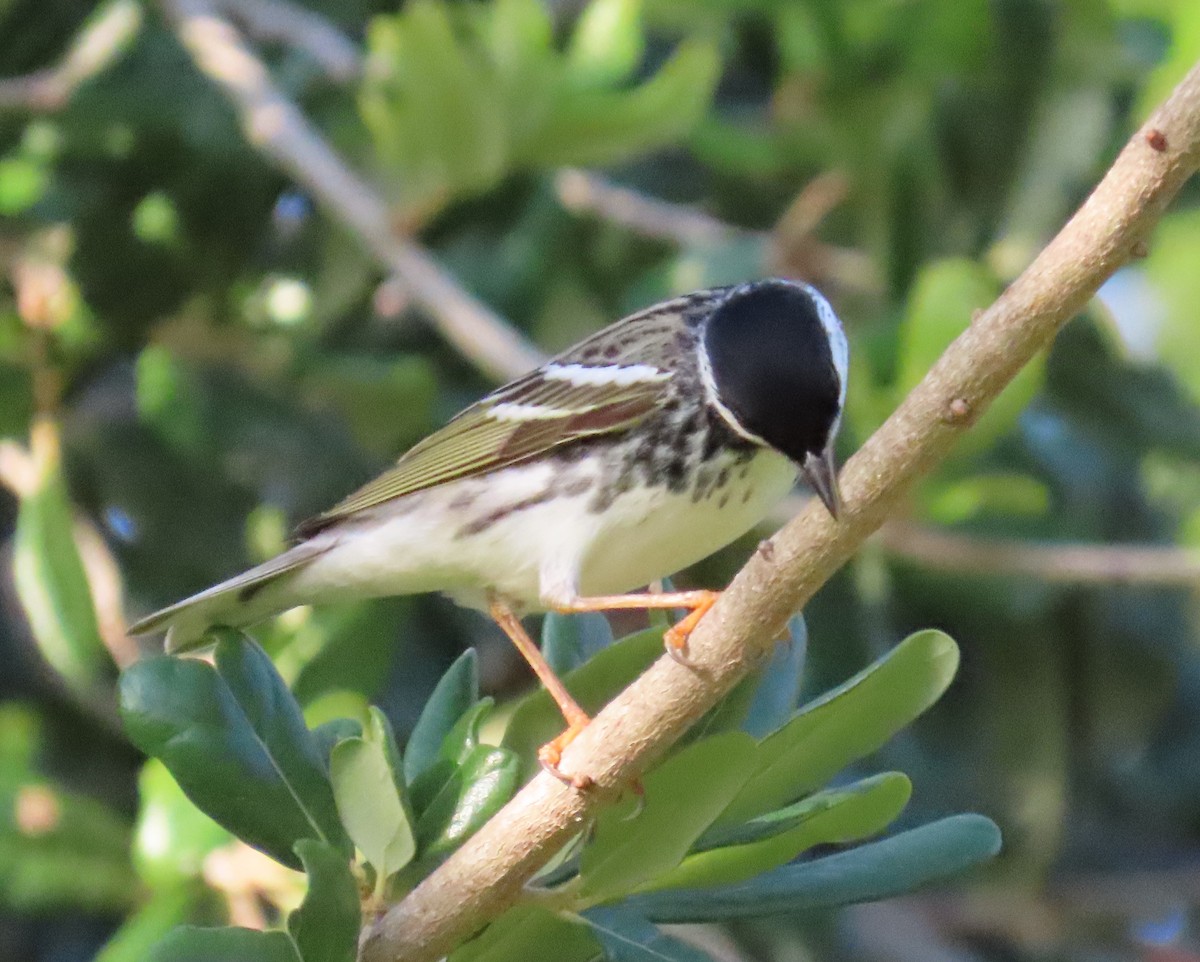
<point x="486" y="875"/>
<point x="98" y="45"/>
<point x="277" y="127"/>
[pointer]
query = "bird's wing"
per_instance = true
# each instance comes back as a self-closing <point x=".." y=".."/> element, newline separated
<point x="605" y="384"/>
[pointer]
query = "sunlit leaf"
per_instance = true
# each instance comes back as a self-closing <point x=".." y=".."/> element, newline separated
<point x="682" y="797"/>
<point x="847" y="723"/>
<point x="172" y="837"/>
<point x="369" y="799"/>
<point x="530" y="932"/>
<point x="50" y="578"/>
<point x="836" y="816"/>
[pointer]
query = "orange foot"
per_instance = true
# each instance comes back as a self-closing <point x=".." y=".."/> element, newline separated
<point x="550" y="754"/>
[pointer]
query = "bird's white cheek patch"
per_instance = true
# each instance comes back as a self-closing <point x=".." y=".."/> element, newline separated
<point x="614" y="375"/>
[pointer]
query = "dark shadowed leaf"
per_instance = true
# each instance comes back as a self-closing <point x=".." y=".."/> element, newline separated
<point x="325" y="927"/>
<point x="570" y="640"/>
<point x="191" y="944"/>
<point x="459" y="742"/>
<point x="234" y="739"/>
<point x="779" y="690"/>
<point x="457" y="691"/>
<point x="629" y="937"/>
<point x="479" y="787"/>
<point x="149" y="925"/>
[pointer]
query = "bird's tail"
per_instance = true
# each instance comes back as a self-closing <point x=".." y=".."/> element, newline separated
<point x="242" y="600"/>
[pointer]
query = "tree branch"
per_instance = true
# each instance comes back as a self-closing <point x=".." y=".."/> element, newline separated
<point x="302" y="29"/>
<point x="1126" y="564"/>
<point x="99" y="44"/>
<point x="277" y="127"/>
<point x="486" y="875"/>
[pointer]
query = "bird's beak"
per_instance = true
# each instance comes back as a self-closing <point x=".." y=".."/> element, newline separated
<point x="820" y="472"/>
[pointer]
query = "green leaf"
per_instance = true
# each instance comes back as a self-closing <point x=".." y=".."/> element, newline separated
<point x="603" y="127"/>
<point x="778" y="689"/>
<point x="536" y="719"/>
<point x="570" y="640"/>
<point x="846" y="724"/>
<point x="235" y="740"/>
<point x="192" y="944"/>
<point x="51" y="583"/>
<point x="837" y="816"/>
<point x="459" y="742"/>
<point x="628" y="937"/>
<point x="940" y="305"/>
<point x="370" y="801"/>
<point x="607" y="43"/>
<point x="530" y="932"/>
<point x="449" y="106"/>
<point x="329" y="733"/>
<point x="138" y="934"/>
<point x="60" y="850"/>
<point x="325" y="927"/>
<point x="682" y="797"/>
<point x="879" y="870"/>
<point x="457" y="691"/>
<point x="172" y="837"/>
<point x="479" y="787"/>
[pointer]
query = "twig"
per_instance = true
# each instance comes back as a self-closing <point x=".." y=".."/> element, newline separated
<point x="791" y="249"/>
<point x="303" y="29"/>
<point x="275" y="126"/>
<point x="97" y="45"/>
<point x="1056" y="563"/>
<point x="486" y="875"/>
<point x="584" y="192"/>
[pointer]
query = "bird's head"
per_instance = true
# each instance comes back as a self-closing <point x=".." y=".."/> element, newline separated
<point x="774" y="360"/>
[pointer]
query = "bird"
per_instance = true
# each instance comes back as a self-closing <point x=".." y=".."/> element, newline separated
<point x="635" y="453"/>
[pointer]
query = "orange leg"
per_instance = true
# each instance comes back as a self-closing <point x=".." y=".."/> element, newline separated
<point x="676" y="637"/>
<point x="576" y="718"/>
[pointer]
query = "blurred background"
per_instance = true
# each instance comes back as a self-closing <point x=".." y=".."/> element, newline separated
<point x="251" y="250"/>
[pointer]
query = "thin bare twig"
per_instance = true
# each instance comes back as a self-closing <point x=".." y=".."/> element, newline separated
<point x="585" y="192"/>
<point x="276" y="127"/>
<point x="97" y="46"/>
<point x="300" y="28"/>
<point x="487" y="874"/>
<point x="791" y="249"/>
<point x="1126" y="564"/>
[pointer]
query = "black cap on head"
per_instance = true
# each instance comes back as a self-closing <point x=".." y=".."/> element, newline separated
<point x="774" y="368"/>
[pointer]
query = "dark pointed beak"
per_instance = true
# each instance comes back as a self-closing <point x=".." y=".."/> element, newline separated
<point x="820" y="472"/>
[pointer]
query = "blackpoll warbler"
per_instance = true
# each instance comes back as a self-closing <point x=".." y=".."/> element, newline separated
<point x="635" y="453"/>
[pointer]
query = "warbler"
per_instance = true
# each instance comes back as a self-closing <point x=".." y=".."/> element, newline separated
<point x="633" y="454"/>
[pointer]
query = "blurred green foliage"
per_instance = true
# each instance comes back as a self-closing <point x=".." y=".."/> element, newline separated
<point x="193" y="357"/>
